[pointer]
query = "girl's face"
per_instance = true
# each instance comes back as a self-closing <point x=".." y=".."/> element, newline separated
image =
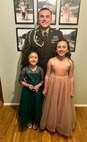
<point x="33" y="58"/>
<point x="62" y="48"/>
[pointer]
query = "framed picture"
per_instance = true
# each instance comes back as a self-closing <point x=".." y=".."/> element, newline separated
<point x="69" y="12"/>
<point x="70" y="34"/>
<point x="21" y="35"/>
<point x="51" y="4"/>
<point x="24" y="11"/>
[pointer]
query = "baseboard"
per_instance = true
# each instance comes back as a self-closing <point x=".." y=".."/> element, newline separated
<point x="11" y="104"/>
<point x="17" y="104"/>
<point x="80" y="105"/>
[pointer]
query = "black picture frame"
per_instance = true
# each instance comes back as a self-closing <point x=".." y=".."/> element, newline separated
<point x="51" y="4"/>
<point x="24" y="11"/>
<point x="21" y="35"/>
<point x="69" y="12"/>
<point x="70" y="34"/>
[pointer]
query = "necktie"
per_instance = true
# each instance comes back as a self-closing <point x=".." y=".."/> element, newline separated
<point x="45" y="38"/>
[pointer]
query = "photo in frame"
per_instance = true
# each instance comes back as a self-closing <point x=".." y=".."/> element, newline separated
<point x="69" y="12"/>
<point x="70" y="34"/>
<point x="51" y="4"/>
<point x="24" y="11"/>
<point x="21" y="35"/>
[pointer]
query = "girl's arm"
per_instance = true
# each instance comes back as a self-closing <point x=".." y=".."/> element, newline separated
<point x="22" y="79"/>
<point x="27" y="85"/>
<point x="49" y="65"/>
<point x="71" y="76"/>
<point x="36" y="87"/>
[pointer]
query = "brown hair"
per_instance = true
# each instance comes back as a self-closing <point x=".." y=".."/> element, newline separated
<point x="44" y="8"/>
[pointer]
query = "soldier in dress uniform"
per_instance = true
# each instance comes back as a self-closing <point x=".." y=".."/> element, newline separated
<point x="42" y="39"/>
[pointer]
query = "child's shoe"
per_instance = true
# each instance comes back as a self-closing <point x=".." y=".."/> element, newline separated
<point x="30" y="125"/>
<point x="34" y="126"/>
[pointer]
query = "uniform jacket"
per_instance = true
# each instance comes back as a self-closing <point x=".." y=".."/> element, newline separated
<point x="35" y="40"/>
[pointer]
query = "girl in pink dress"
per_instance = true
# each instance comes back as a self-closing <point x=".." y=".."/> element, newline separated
<point x="58" y="108"/>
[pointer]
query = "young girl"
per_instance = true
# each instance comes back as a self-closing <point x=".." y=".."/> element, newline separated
<point x="58" y="109"/>
<point x="31" y="77"/>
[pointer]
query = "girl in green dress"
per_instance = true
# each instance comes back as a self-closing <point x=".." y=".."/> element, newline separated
<point x="31" y="77"/>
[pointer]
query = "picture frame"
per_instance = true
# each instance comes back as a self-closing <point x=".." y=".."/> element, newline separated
<point x="51" y="4"/>
<point x="69" y="12"/>
<point x="24" y="11"/>
<point x="70" y="34"/>
<point x="21" y="35"/>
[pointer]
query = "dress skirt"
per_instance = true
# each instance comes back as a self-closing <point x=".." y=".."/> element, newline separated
<point x="30" y="107"/>
<point x="58" y="112"/>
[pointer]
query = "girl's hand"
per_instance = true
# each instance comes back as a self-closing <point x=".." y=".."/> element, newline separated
<point x="44" y="92"/>
<point x="35" y="88"/>
<point x="30" y="87"/>
<point x="27" y="85"/>
<point x="71" y="94"/>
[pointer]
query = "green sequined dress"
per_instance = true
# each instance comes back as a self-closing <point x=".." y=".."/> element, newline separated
<point x="30" y="101"/>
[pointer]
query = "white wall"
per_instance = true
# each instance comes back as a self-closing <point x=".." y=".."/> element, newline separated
<point x="10" y="57"/>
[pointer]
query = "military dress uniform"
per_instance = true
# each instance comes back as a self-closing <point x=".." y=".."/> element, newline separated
<point x="45" y="46"/>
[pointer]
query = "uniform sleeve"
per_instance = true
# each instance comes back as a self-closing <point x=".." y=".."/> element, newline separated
<point x="59" y="34"/>
<point x="42" y="75"/>
<point x="22" y="75"/>
<point x="26" y="49"/>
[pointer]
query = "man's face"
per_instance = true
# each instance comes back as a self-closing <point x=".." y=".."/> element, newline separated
<point x="44" y="19"/>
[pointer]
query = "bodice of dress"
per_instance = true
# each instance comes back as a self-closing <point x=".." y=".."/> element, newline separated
<point x="32" y="77"/>
<point x="61" y="67"/>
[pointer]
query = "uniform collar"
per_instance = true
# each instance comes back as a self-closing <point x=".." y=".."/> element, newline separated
<point x="47" y="31"/>
<point x="40" y="35"/>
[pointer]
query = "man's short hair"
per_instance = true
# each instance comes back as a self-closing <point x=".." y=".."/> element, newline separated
<point x="44" y="8"/>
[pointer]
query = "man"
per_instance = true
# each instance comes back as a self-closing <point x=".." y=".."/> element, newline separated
<point x="42" y="39"/>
